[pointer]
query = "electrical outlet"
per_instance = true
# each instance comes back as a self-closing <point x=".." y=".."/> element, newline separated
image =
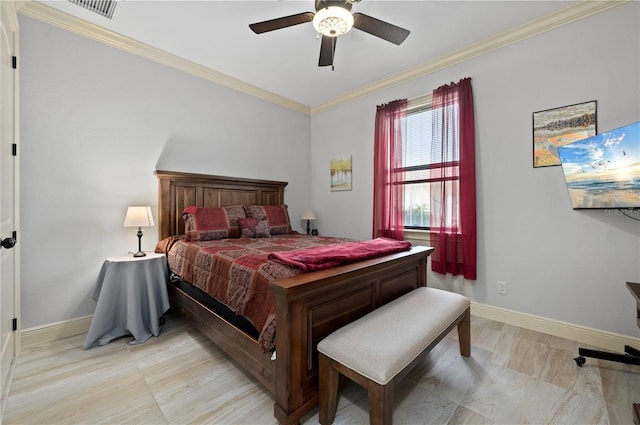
<point x="502" y="287"/>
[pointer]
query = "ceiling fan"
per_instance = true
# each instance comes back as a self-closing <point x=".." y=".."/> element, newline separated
<point x="334" y="18"/>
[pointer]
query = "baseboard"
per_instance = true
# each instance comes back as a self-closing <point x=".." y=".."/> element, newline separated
<point x="582" y="334"/>
<point x="55" y="331"/>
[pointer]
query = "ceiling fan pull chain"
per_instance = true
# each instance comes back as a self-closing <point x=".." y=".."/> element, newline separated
<point x="333" y="52"/>
<point x="333" y="46"/>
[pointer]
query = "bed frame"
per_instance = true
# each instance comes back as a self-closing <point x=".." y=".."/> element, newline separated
<point x="308" y="306"/>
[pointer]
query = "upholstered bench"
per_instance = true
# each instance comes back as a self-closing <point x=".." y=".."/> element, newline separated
<point x="379" y="349"/>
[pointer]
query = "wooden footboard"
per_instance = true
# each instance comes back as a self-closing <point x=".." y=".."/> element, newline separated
<point x="311" y="306"/>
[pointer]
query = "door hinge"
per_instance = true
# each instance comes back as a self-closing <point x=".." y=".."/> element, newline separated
<point x="14" y="324"/>
<point x="14" y="149"/>
<point x="14" y="62"/>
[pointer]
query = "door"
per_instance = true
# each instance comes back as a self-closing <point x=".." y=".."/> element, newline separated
<point x="8" y="195"/>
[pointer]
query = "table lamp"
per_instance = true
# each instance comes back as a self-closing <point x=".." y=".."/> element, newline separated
<point x="139" y="217"/>
<point x="307" y="214"/>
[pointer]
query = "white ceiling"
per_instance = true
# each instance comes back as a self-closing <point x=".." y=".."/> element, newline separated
<point x="216" y="34"/>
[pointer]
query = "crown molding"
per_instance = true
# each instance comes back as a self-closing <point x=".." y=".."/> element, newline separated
<point x="10" y="11"/>
<point x="52" y="16"/>
<point x="567" y="15"/>
<point x="564" y="16"/>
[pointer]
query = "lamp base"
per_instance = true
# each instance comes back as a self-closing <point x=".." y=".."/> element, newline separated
<point x="139" y="253"/>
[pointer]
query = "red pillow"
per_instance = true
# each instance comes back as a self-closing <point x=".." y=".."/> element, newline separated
<point x="254" y="228"/>
<point x="277" y="217"/>
<point x="203" y="224"/>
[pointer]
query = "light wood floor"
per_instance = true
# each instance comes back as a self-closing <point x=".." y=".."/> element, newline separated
<point x="513" y="376"/>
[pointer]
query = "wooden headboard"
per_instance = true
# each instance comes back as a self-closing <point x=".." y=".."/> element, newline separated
<point x="177" y="190"/>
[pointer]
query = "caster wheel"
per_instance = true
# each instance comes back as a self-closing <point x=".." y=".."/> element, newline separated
<point x="580" y="361"/>
<point x="161" y="321"/>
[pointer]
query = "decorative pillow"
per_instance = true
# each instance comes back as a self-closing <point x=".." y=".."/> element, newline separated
<point x="254" y="228"/>
<point x="204" y="224"/>
<point x="277" y="217"/>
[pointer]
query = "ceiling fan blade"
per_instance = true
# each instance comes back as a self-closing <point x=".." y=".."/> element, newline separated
<point x="278" y="23"/>
<point x="327" y="50"/>
<point x="381" y="29"/>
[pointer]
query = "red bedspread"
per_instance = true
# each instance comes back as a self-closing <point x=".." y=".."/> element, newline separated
<point x="323" y="257"/>
<point x="237" y="273"/>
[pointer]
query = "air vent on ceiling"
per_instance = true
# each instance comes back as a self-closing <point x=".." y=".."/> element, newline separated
<point x="101" y="7"/>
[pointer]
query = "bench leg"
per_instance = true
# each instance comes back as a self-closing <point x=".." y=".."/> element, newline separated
<point x="328" y="390"/>
<point x="380" y="403"/>
<point x="464" y="333"/>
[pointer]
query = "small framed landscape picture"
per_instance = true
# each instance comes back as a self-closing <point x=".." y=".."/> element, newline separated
<point x="557" y="127"/>
<point x="341" y="174"/>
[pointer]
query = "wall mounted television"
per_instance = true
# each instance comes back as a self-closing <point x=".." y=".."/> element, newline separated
<point x="603" y="171"/>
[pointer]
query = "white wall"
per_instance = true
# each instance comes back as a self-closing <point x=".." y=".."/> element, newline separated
<point x="95" y="124"/>
<point x="558" y="263"/>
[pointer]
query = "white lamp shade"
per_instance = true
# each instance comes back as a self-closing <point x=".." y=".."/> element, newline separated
<point x="138" y="217"/>
<point x="333" y="21"/>
<point x="307" y="214"/>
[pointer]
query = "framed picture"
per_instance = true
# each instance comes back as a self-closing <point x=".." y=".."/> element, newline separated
<point x="557" y="127"/>
<point x="341" y="174"/>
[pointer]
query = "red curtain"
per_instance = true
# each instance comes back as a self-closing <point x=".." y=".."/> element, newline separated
<point x="388" y="217"/>
<point x="453" y="225"/>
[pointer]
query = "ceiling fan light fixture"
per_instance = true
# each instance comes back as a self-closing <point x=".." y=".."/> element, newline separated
<point x="333" y="21"/>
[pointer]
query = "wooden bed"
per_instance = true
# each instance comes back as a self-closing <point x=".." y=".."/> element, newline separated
<point x="308" y="306"/>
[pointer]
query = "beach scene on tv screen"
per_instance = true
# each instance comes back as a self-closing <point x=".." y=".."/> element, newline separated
<point x="603" y="171"/>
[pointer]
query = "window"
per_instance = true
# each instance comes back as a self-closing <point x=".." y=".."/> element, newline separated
<point x="420" y="162"/>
